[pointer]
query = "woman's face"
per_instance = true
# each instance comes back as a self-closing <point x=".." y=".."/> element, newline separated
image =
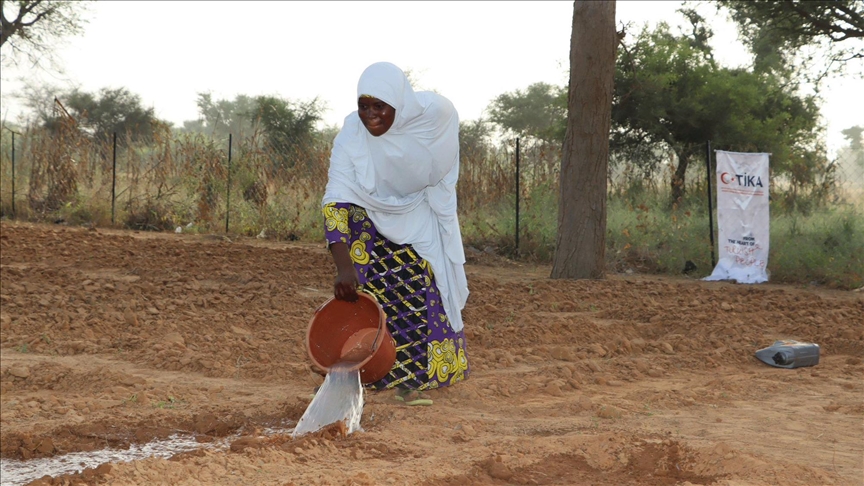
<point x="376" y="115"/>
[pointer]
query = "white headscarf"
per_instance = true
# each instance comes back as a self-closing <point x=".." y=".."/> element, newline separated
<point x="406" y="178"/>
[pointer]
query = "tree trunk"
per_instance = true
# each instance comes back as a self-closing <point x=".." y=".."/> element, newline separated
<point x="678" y="188"/>
<point x="581" y="243"/>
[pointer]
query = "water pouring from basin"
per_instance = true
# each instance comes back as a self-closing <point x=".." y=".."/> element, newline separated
<point x="353" y="333"/>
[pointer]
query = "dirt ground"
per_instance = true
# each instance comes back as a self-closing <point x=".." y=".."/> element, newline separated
<point x="112" y="339"/>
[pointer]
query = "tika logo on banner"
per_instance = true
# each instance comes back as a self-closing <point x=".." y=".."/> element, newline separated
<point x="744" y="184"/>
<point x="743" y="179"/>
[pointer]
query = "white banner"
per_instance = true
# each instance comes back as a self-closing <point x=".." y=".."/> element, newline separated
<point x="742" y="217"/>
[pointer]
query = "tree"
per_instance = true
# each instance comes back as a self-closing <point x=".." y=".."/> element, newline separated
<point x="288" y="126"/>
<point x="777" y="30"/>
<point x="285" y="124"/>
<point x="100" y="114"/>
<point x="581" y="241"/>
<point x="111" y="110"/>
<point x="31" y="29"/>
<point x="671" y="94"/>
<point x="474" y="139"/>
<point x="853" y="134"/>
<point x="539" y="112"/>
<point x="218" y="118"/>
<point x="856" y="147"/>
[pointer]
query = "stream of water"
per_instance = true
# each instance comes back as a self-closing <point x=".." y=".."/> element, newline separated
<point x="339" y="398"/>
<point x="14" y="472"/>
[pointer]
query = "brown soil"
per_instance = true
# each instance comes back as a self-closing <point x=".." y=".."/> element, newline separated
<point x="111" y="338"/>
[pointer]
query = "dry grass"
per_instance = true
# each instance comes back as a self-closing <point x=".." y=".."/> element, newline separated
<point x="183" y="180"/>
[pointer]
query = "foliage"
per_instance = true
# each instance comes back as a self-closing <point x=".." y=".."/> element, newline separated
<point x="853" y="134"/>
<point x="475" y="139"/>
<point x="671" y="97"/>
<point x="98" y="114"/>
<point x="539" y="112"/>
<point x="221" y="117"/>
<point x="776" y="31"/>
<point x="671" y="93"/>
<point x="825" y="248"/>
<point x="288" y="126"/>
<point x="182" y="181"/>
<point x="111" y="111"/>
<point x="31" y="29"/>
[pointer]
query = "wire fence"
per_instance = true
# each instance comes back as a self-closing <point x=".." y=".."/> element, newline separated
<point x="188" y="182"/>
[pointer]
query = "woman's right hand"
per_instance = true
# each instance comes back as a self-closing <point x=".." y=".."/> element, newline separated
<point x="345" y="287"/>
<point x="347" y="281"/>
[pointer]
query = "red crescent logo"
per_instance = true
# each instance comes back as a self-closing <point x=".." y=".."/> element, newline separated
<point x="723" y="178"/>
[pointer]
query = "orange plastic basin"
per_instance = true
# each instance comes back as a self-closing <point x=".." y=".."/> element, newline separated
<point x="353" y="333"/>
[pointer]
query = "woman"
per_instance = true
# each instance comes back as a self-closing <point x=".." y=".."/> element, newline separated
<point x="391" y="224"/>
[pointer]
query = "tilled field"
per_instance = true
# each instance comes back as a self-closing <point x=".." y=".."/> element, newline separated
<point x="113" y="340"/>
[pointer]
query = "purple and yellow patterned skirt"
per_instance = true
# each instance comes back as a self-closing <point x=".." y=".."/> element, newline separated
<point x="429" y="354"/>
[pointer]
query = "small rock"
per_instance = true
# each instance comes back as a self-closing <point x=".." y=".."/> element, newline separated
<point x="561" y="353"/>
<point x="598" y="349"/>
<point x="129" y="380"/>
<point x="174" y="337"/>
<point x="130" y="318"/>
<point x="667" y="348"/>
<point x="609" y="411"/>
<point x="19" y="371"/>
<point x="626" y="346"/>
<point x="46" y="446"/>
<point x="499" y="471"/>
<point x="245" y="442"/>
<point x="725" y="306"/>
<point x="553" y="389"/>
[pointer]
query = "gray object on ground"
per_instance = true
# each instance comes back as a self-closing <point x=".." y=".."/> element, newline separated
<point x="789" y="354"/>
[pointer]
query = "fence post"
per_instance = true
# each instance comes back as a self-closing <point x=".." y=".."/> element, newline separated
<point x="710" y="203"/>
<point x="13" y="173"/>
<point x="113" y="177"/>
<point x="517" y="196"/>
<point x="228" y="189"/>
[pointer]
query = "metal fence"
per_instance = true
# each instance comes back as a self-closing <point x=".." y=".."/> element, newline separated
<point x="508" y="191"/>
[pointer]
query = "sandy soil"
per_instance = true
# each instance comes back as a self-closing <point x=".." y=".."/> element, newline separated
<point x="111" y="339"/>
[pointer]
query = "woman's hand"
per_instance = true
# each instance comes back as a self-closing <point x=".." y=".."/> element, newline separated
<point x="345" y="287"/>
<point x="347" y="281"/>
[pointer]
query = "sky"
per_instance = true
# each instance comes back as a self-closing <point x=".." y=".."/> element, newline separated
<point x="471" y="52"/>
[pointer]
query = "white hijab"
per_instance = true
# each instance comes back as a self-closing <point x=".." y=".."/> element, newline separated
<point x="406" y="178"/>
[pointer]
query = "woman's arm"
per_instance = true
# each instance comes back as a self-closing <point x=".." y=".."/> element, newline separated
<point x="337" y="232"/>
<point x="347" y="281"/>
